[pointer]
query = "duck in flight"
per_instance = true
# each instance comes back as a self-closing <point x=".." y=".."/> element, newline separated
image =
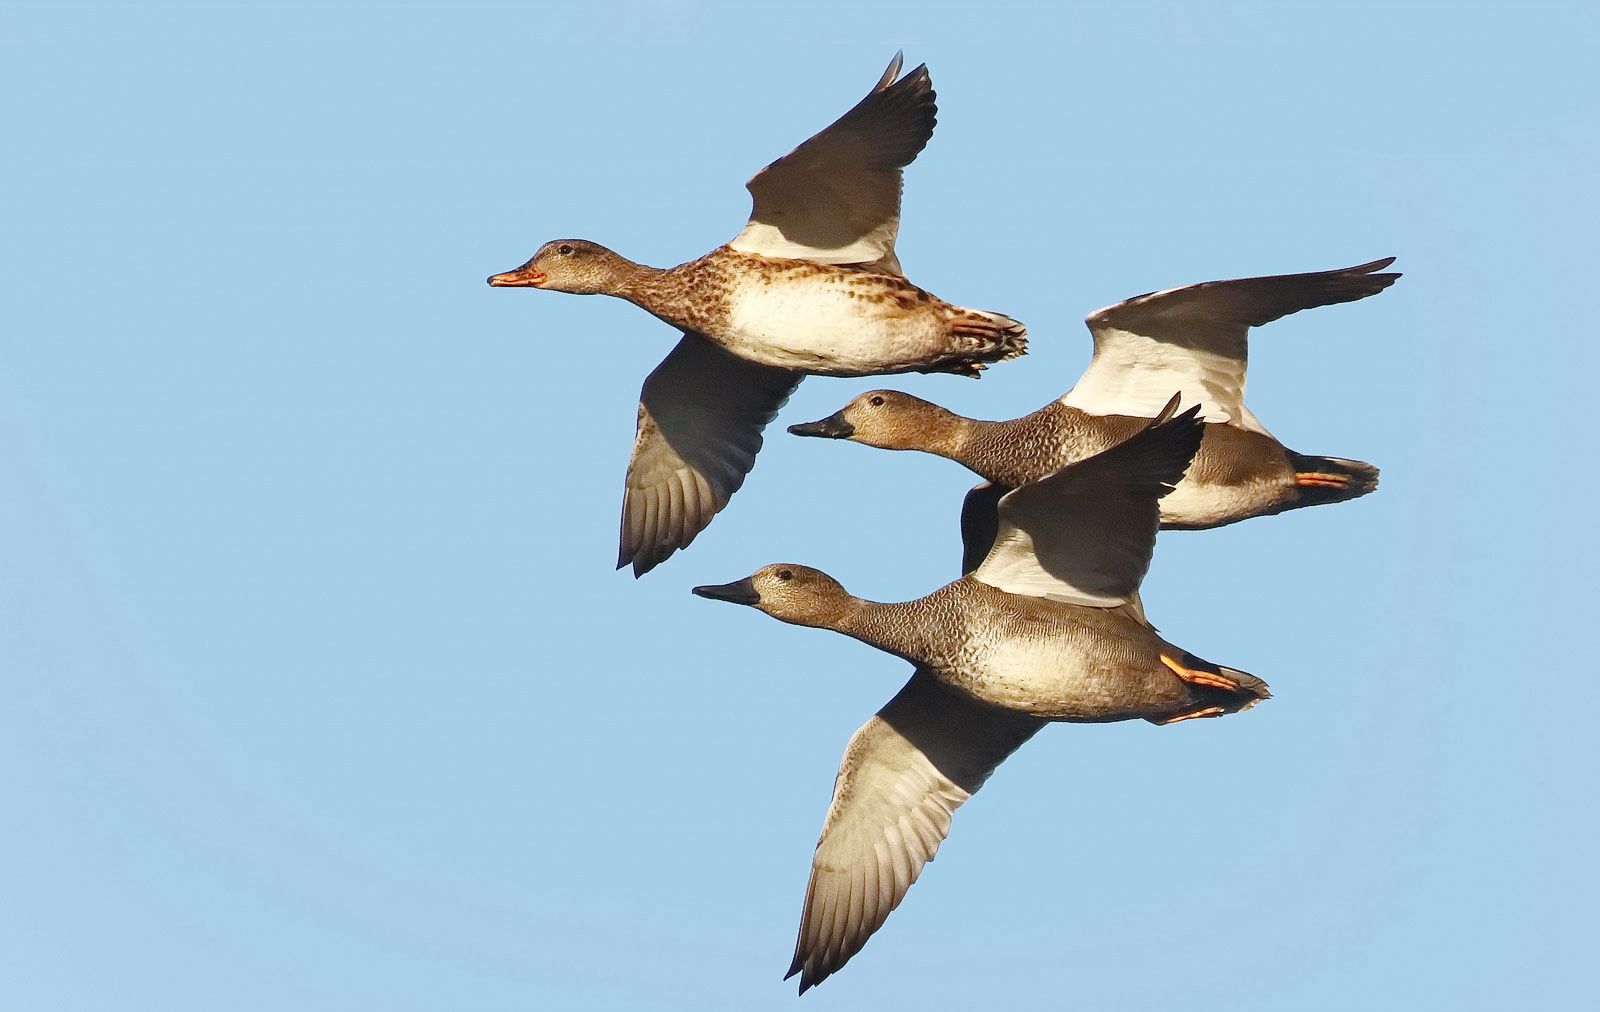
<point x="1193" y="340"/>
<point x="1047" y="628"/>
<point x="810" y="287"/>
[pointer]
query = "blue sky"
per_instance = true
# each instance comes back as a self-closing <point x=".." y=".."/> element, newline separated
<point x="321" y="693"/>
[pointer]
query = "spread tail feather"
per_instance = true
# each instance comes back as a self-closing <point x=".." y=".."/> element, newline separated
<point x="1251" y="691"/>
<point x="1010" y="336"/>
<point x="984" y="337"/>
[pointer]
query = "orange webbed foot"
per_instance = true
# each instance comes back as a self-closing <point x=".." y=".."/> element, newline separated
<point x="1210" y="711"/>
<point x="1215" y="679"/>
<point x="1321" y="479"/>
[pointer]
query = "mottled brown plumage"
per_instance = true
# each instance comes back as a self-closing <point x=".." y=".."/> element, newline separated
<point x="811" y="286"/>
<point x="815" y="319"/>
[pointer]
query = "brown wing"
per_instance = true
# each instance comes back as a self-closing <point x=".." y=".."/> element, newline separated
<point x="701" y="413"/>
<point x="836" y="198"/>
<point x="1085" y="534"/>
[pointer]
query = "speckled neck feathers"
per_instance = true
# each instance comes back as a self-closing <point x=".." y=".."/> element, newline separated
<point x="1016" y="452"/>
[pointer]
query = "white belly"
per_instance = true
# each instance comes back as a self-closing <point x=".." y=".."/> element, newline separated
<point x="1054" y="680"/>
<point x="1195" y="505"/>
<point x="824" y="324"/>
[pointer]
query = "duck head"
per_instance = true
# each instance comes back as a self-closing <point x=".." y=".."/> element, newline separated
<point x="571" y="265"/>
<point x="797" y="594"/>
<point x="884" y="418"/>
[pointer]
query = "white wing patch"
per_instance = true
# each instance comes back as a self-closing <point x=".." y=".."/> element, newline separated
<point x="1013" y="566"/>
<point x="769" y="240"/>
<point x="1134" y="374"/>
<point x="1195" y="340"/>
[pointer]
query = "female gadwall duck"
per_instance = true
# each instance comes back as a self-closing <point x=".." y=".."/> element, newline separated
<point x="1191" y="339"/>
<point x="811" y="286"/>
<point x="1047" y="628"/>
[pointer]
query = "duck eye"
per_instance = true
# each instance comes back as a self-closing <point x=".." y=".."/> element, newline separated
<point x="785" y="574"/>
<point x="876" y="402"/>
<point x="565" y="251"/>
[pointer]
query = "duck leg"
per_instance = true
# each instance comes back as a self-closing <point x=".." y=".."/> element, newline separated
<point x="1330" y="479"/>
<point x="1321" y="479"/>
<point x="1209" y="675"/>
<point x="1210" y="711"/>
<point x="1240" y="690"/>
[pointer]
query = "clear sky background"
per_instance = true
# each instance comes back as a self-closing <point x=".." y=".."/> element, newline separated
<point x="320" y="692"/>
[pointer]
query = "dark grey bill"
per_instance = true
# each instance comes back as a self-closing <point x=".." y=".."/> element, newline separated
<point x="740" y="592"/>
<point x="832" y="427"/>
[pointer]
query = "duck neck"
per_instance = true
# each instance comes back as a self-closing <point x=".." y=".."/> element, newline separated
<point x="1012" y="453"/>
<point x="971" y="440"/>
<point x="933" y="430"/>
<point x="894" y="628"/>
<point x="640" y="284"/>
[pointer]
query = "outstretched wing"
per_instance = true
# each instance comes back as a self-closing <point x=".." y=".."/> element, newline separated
<point x="700" y="419"/>
<point x="1195" y="340"/>
<point x="836" y="198"/>
<point x="1085" y="534"/>
<point x="904" y="772"/>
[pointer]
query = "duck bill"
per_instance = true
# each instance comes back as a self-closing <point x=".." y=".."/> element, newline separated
<point x="740" y="592"/>
<point x="522" y="277"/>
<point x="832" y="427"/>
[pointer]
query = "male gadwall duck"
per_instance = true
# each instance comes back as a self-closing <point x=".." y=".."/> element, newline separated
<point x="811" y="286"/>
<point x="1191" y="339"/>
<point x="1048" y="628"/>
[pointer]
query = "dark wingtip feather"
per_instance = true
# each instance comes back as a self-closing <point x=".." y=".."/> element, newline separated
<point x="807" y="980"/>
<point x="892" y="72"/>
<point x="1375" y="282"/>
<point x="643" y="557"/>
<point x="1376" y="265"/>
<point x="1172" y="437"/>
<point x="810" y="977"/>
<point x="1166" y="412"/>
<point x="1352" y="283"/>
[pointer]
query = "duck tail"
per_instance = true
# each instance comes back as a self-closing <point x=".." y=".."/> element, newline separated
<point x="1010" y="336"/>
<point x="985" y="337"/>
<point x="1251" y="691"/>
<point x="1331" y="479"/>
